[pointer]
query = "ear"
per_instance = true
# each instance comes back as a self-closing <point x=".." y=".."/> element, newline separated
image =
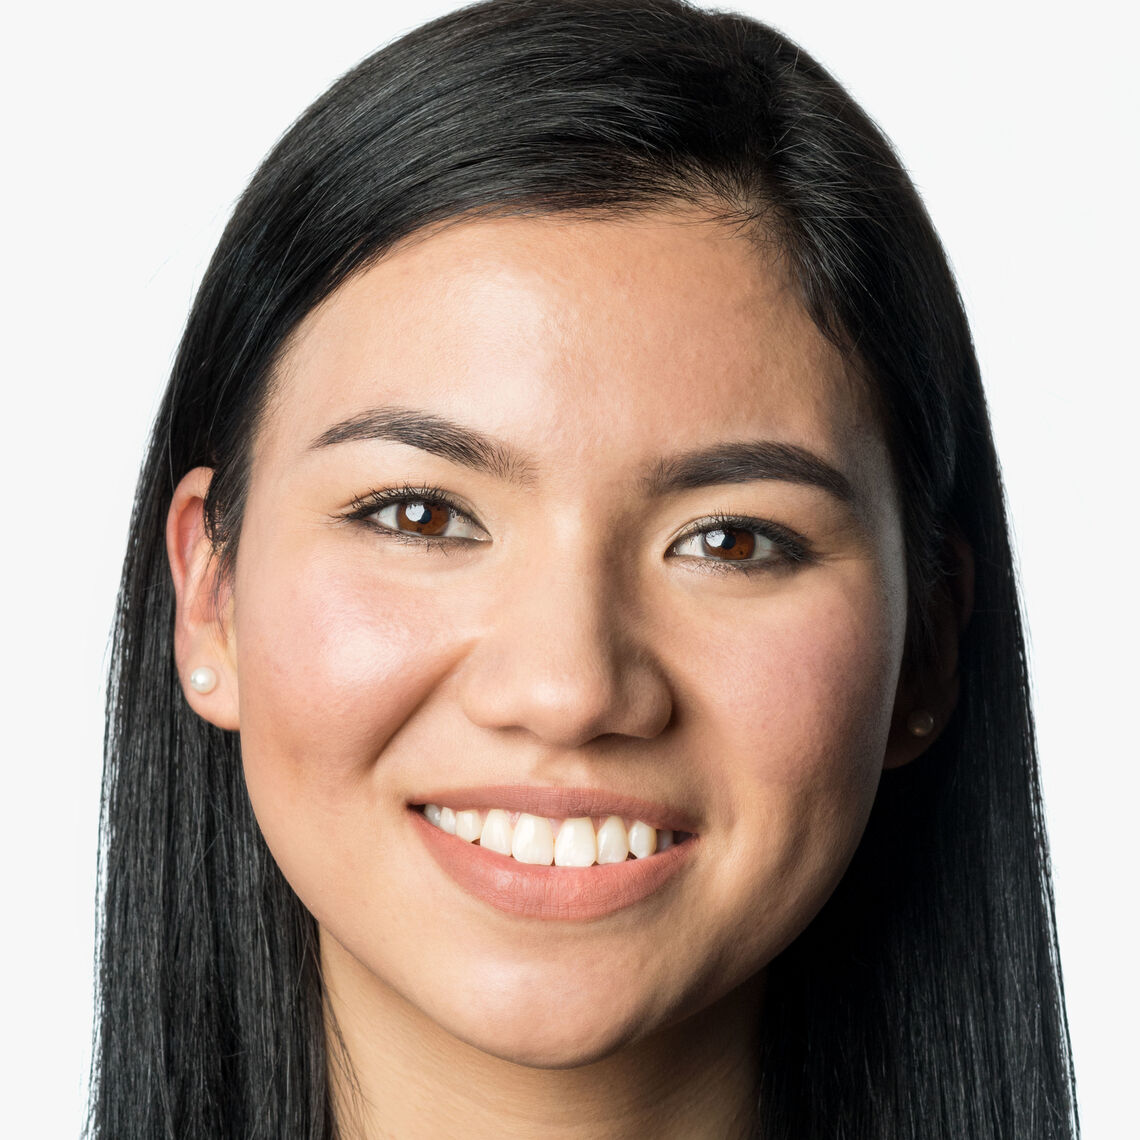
<point x="203" y="621"/>
<point x="924" y="702"/>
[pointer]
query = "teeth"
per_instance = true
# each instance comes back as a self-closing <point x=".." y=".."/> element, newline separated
<point x="532" y="838"/>
<point x="642" y="840"/>
<point x="496" y="834"/>
<point x="613" y="841"/>
<point x="576" y="846"/>
<point x="468" y="825"/>
<point x="533" y="841"/>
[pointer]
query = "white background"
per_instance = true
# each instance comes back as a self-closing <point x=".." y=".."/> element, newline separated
<point x="130" y="129"/>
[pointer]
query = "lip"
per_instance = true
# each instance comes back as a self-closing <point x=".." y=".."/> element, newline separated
<point x="550" y="893"/>
<point x="563" y="803"/>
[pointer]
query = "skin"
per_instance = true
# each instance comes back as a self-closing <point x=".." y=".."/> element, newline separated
<point x="570" y="645"/>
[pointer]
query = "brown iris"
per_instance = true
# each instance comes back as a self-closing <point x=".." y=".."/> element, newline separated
<point x="730" y="543"/>
<point x="423" y="517"/>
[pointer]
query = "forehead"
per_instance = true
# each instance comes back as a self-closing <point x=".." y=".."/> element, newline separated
<point x="581" y="341"/>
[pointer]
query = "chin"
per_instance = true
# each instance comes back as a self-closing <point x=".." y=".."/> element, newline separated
<point x="563" y="1044"/>
<point x="562" y="1024"/>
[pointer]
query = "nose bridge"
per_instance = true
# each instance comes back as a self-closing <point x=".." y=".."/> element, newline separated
<point x="564" y="657"/>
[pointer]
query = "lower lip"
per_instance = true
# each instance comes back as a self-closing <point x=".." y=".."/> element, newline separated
<point x="566" y="893"/>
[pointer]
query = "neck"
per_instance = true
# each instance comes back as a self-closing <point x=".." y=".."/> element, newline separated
<point x="396" y="1073"/>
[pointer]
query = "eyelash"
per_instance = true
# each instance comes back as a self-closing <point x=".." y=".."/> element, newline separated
<point x="793" y="548"/>
<point x="364" y="506"/>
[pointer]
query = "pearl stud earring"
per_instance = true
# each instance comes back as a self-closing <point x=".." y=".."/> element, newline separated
<point x="203" y="679"/>
<point x="920" y="723"/>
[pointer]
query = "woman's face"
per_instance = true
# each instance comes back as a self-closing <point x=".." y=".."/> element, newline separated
<point x="556" y="619"/>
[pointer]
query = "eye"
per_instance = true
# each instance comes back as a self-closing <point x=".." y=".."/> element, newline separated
<point x="425" y="517"/>
<point x="742" y="544"/>
<point x="417" y="515"/>
<point x="729" y="543"/>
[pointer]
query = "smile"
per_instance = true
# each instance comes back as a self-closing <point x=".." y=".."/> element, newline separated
<point x="543" y="863"/>
<point x="541" y="841"/>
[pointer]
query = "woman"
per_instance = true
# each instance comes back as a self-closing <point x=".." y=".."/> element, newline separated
<point x="568" y="677"/>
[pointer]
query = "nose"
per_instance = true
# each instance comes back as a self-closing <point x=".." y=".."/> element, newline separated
<point x="561" y="657"/>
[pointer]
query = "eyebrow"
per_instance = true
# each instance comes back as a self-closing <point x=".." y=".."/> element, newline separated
<point x="433" y="434"/>
<point x="723" y="463"/>
<point x="746" y="462"/>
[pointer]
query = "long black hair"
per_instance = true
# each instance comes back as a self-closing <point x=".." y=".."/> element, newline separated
<point x="925" y="1001"/>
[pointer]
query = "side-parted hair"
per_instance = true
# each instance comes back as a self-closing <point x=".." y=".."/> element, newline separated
<point x="925" y="1001"/>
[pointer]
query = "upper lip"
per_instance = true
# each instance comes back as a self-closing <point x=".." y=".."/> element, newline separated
<point x="562" y="803"/>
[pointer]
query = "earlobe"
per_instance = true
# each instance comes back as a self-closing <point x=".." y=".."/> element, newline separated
<point x="203" y="622"/>
<point x="924" y="705"/>
<point x="914" y="731"/>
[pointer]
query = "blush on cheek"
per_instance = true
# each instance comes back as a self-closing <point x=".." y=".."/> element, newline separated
<point x="810" y="709"/>
<point x="831" y="704"/>
<point x="817" y="695"/>
<point x="331" y="663"/>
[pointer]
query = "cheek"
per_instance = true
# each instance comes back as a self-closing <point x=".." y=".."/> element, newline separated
<point x="823" y="686"/>
<point x="800" y="722"/>
<point x="331" y="663"/>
